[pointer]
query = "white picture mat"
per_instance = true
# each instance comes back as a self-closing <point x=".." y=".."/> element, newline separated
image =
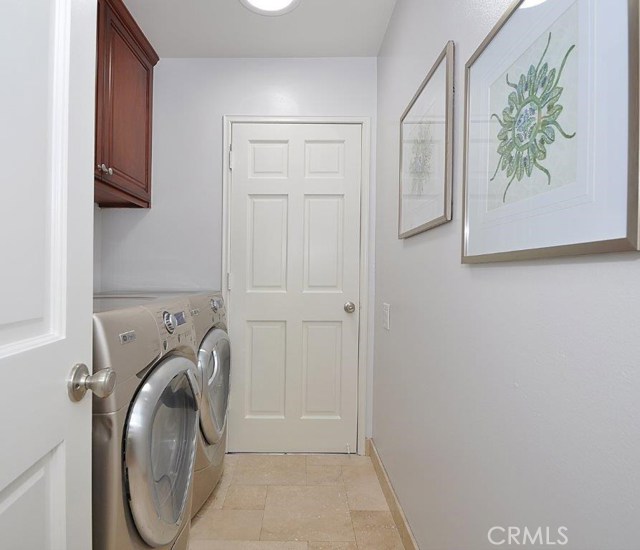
<point x="594" y="208"/>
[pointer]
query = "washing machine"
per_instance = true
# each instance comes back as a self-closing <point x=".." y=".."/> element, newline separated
<point x="214" y="363"/>
<point x="145" y="432"/>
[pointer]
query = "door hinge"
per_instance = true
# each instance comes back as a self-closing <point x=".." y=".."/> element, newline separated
<point x="228" y="281"/>
<point x="230" y="158"/>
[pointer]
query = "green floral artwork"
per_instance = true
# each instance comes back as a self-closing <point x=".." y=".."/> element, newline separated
<point x="530" y="121"/>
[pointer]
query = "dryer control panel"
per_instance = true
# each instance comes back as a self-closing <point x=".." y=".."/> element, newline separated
<point x="208" y="310"/>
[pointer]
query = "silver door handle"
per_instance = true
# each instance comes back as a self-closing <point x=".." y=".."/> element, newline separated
<point x="102" y="383"/>
<point x="349" y="307"/>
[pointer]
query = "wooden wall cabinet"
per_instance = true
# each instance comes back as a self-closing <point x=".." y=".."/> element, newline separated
<point x="124" y="100"/>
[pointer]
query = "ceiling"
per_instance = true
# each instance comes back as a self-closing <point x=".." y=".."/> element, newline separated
<point x="225" y="28"/>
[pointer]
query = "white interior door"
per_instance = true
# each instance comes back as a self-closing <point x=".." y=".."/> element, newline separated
<point x="47" y="63"/>
<point x="294" y="257"/>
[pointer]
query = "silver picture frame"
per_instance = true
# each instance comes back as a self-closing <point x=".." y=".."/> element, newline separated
<point x="620" y="236"/>
<point x="444" y="153"/>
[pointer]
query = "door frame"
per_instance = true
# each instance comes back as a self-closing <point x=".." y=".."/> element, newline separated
<point x="365" y="185"/>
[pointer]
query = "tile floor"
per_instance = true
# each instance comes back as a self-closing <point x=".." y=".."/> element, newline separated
<point x="296" y="502"/>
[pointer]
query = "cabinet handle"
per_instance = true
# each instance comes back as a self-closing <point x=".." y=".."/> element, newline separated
<point x="106" y="170"/>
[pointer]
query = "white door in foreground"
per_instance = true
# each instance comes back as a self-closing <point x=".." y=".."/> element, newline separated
<point x="294" y="262"/>
<point x="47" y="62"/>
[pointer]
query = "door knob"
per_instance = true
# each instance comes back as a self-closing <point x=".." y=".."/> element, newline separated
<point x="349" y="307"/>
<point x="102" y="383"/>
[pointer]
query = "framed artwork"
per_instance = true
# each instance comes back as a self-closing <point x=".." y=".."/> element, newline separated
<point x="426" y="151"/>
<point x="551" y="132"/>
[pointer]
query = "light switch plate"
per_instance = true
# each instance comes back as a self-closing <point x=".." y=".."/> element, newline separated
<point x="386" y="320"/>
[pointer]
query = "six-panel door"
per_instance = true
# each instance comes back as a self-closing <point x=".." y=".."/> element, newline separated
<point x="294" y="261"/>
<point x="47" y="60"/>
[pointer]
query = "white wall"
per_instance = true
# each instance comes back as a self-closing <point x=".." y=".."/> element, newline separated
<point x="97" y="249"/>
<point x="504" y="394"/>
<point x="176" y="245"/>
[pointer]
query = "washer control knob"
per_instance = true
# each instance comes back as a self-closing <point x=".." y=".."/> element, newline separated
<point x="170" y="321"/>
<point x="216" y="304"/>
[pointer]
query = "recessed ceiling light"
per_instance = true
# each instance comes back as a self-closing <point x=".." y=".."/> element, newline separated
<point x="270" y="7"/>
<point x="531" y="3"/>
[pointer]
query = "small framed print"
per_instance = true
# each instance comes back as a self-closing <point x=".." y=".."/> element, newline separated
<point x="551" y="132"/>
<point x="426" y="151"/>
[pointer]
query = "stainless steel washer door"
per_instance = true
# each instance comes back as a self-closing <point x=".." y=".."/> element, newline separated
<point x="160" y="444"/>
<point x="214" y="364"/>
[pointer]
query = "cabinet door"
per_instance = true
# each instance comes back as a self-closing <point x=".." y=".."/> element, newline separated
<point x="100" y="153"/>
<point x="127" y="111"/>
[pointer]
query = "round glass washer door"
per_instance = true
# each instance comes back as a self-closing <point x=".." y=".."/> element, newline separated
<point x="160" y="445"/>
<point x="214" y="364"/>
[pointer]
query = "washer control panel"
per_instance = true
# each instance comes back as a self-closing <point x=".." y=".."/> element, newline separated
<point x="175" y="324"/>
<point x="170" y="322"/>
<point x="173" y="320"/>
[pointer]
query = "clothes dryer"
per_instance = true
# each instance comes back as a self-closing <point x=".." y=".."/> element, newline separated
<point x="145" y="432"/>
<point x="214" y="364"/>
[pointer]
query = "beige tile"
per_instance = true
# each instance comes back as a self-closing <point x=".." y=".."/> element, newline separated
<point x="227" y="525"/>
<point x="231" y="459"/>
<point x="338" y="460"/>
<point x="317" y="513"/>
<point x="363" y="488"/>
<point x="216" y="500"/>
<point x="230" y="463"/>
<point x="245" y="497"/>
<point x="332" y="546"/>
<point x="245" y="545"/>
<point x="270" y="470"/>
<point x="376" y="530"/>
<point x="324" y="475"/>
